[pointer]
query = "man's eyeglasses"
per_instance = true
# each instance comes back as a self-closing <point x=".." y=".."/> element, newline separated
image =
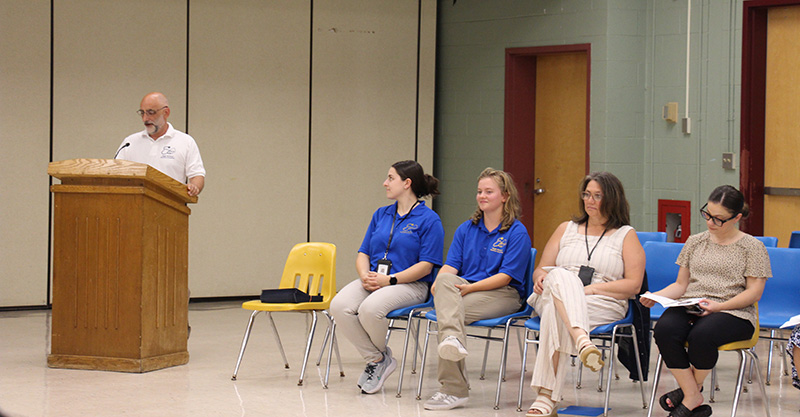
<point x="149" y="112"/>
<point x="717" y="221"/>
<point x="596" y="197"/>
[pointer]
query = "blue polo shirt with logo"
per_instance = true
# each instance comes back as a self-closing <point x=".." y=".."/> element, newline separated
<point x="478" y="253"/>
<point x="418" y="237"/>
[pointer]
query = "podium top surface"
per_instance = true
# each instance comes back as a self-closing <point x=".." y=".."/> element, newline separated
<point x="119" y="169"/>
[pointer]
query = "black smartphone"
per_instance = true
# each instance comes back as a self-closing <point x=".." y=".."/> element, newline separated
<point x="695" y="309"/>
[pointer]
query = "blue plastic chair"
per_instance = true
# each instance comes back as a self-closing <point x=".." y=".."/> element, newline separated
<point x="504" y="322"/>
<point x="651" y="237"/>
<point x="779" y="300"/>
<point x="409" y="315"/>
<point x="606" y="332"/>
<point x="661" y="269"/>
<point x="768" y="241"/>
<point x="794" y="241"/>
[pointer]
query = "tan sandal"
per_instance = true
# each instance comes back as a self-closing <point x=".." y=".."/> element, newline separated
<point x="590" y="355"/>
<point x="544" y="406"/>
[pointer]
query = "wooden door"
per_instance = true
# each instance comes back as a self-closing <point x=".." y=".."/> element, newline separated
<point x="547" y="134"/>
<point x="782" y="126"/>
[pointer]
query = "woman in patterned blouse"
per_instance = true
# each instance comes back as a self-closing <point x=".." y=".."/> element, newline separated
<point x="727" y="269"/>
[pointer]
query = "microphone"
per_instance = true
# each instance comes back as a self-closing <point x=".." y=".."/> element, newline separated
<point x="121" y="148"/>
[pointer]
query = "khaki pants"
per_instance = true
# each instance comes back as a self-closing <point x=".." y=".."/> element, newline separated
<point x="361" y="315"/>
<point x="453" y="313"/>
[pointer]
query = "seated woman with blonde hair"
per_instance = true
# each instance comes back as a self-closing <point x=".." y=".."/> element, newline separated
<point x="595" y="265"/>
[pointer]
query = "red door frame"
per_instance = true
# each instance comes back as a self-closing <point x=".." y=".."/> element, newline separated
<point x="520" y="123"/>
<point x="754" y="100"/>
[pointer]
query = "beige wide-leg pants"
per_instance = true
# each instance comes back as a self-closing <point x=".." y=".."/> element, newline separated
<point x="585" y="312"/>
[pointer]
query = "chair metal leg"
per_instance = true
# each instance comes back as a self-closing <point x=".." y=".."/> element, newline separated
<point x="503" y="358"/>
<point x="424" y="357"/>
<point x="324" y="343"/>
<point x="782" y="348"/>
<point x="332" y="330"/>
<point x="656" y="378"/>
<point x="523" y="361"/>
<point x="405" y="353"/>
<point x="761" y="384"/>
<point x="580" y="375"/>
<point x="610" y="371"/>
<point x="244" y="344"/>
<point x="739" y="380"/>
<point x="416" y="346"/>
<point x="639" y="367"/>
<point x="308" y="346"/>
<point x="485" y="354"/>
<point x="277" y="339"/>
<point x="769" y="355"/>
<point x="389" y="332"/>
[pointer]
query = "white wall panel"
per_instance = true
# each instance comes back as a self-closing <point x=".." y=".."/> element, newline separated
<point x="248" y="110"/>
<point x="363" y="114"/>
<point x="25" y="140"/>
<point x="107" y="56"/>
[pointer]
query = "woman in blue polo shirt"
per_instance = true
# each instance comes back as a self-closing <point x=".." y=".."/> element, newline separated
<point x="403" y="243"/>
<point x="482" y="278"/>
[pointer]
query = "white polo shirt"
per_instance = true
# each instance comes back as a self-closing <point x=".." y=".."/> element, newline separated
<point x="175" y="153"/>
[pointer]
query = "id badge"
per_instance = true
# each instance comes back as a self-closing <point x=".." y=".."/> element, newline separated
<point x="384" y="266"/>
<point x="585" y="274"/>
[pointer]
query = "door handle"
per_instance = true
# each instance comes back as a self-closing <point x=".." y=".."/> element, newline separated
<point x="538" y="191"/>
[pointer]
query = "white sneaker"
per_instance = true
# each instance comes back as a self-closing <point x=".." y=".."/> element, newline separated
<point x="370" y="369"/>
<point x="441" y="401"/>
<point x="451" y="349"/>
<point x="377" y="373"/>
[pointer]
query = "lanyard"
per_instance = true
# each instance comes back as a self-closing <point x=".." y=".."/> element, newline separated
<point x="391" y="231"/>
<point x="586" y="235"/>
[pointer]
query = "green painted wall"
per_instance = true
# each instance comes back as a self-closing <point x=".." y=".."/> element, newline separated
<point x="638" y="64"/>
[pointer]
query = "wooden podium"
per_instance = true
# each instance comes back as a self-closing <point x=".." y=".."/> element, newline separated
<point x="120" y="267"/>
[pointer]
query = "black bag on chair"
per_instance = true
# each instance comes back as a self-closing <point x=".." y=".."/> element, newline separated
<point x="288" y="295"/>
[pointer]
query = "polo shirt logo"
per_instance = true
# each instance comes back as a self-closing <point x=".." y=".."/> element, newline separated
<point x="410" y="228"/>
<point x="499" y="244"/>
<point x="167" y="151"/>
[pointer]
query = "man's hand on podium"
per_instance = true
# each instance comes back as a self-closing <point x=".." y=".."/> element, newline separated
<point x="195" y="185"/>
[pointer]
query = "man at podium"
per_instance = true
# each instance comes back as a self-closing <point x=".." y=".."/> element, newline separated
<point x="163" y="147"/>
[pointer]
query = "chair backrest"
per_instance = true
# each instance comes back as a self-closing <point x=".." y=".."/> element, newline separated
<point x="782" y="291"/>
<point x="651" y="237"/>
<point x="794" y="241"/>
<point x="768" y="241"/>
<point x="660" y="265"/>
<point x="529" y="276"/>
<point x="311" y="267"/>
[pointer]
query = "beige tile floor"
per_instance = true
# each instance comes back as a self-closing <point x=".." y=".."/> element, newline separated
<point x="203" y="387"/>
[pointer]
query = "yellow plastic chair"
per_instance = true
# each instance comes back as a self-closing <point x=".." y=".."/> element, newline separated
<point x="310" y="267"/>
<point x="745" y="349"/>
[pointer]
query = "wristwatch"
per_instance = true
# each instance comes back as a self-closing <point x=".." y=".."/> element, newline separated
<point x="392" y="280"/>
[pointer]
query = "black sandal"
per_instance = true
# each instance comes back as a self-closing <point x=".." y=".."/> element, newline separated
<point x="674" y="396"/>
<point x="700" y="411"/>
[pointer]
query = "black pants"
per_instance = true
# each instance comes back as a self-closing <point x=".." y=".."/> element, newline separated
<point x="704" y="335"/>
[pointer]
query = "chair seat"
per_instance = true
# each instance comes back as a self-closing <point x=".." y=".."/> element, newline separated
<point x="608" y="328"/>
<point x="403" y="312"/>
<point x="492" y="322"/>
<point x="257" y="305"/>
<point x="742" y="344"/>
<point x="534" y="323"/>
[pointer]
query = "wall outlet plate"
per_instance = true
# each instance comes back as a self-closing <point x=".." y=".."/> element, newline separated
<point x="728" y="160"/>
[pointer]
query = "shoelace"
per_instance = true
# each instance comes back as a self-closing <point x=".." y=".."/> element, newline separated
<point x="439" y="396"/>
<point x="371" y="369"/>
